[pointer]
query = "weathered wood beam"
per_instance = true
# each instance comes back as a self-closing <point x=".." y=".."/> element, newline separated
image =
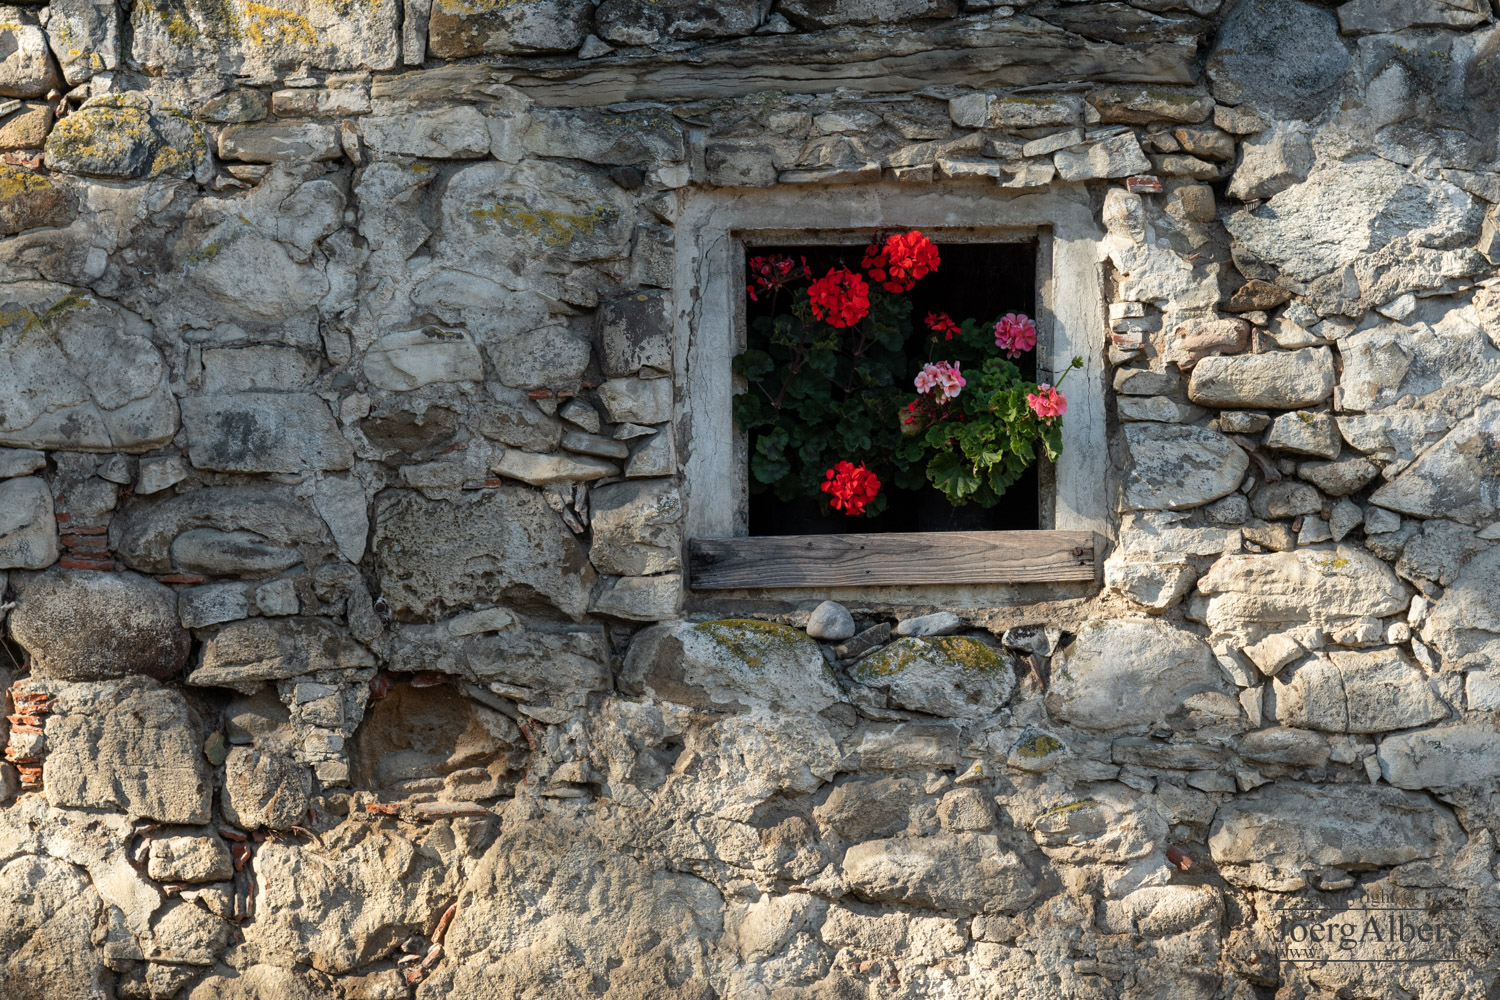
<point x="938" y="557"/>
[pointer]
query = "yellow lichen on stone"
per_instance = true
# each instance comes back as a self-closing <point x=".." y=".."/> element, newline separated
<point x="751" y="641"/>
<point x="968" y="654"/>
<point x="17" y="181"/>
<point x="555" y="229"/>
<point x="1038" y="746"/>
<point x="263" y="22"/>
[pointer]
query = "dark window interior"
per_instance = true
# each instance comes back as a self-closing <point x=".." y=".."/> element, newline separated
<point x="981" y="280"/>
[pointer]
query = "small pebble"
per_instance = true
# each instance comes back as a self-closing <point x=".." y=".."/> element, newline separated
<point x="831" y="621"/>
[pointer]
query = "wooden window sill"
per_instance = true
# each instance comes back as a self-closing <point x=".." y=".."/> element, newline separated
<point x="891" y="560"/>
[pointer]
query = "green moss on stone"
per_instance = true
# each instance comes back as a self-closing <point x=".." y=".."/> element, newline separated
<point x="754" y="642"/>
<point x="963" y="652"/>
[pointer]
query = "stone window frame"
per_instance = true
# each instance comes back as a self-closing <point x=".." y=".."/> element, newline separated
<point x="713" y="229"/>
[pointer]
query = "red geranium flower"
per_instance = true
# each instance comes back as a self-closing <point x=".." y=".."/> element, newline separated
<point x="775" y="271"/>
<point x="851" y="487"/>
<point x="840" y="298"/>
<point x="942" y="323"/>
<point x="905" y="258"/>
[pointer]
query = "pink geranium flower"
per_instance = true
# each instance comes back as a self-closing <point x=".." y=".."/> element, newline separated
<point x="1047" y="402"/>
<point x="1015" y="333"/>
<point x="943" y="376"/>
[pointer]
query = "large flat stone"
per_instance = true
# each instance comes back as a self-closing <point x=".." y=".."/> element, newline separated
<point x="1129" y="675"/>
<point x="648" y="138"/>
<point x="244" y="655"/>
<point x="73" y="376"/>
<point x="506" y="546"/>
<point x="260" y="41"/>
<point x="1356" y="692"/>
<point x="1465" y="755"/>
<point x="963" y="872"/>
<point x="646" y="22"/>
<point x="1174" y="467"/>
<point x="1457" y="478"/>
<point x="414" y="358"/>
<point x="492" y="212"/>
<point x="1276" y="836"/>
<point x="1277" y="380"/>
<point x="730" y="666"/>
<point x="463" y="28"/>
<point x="264" y="432"/>
<point x="1344" y="210"/>
<point x="144" y="535"/>
<point x="949" y="676"/>
<point x="139" y="751"/>
<point x="122" y="137"/>
<point x="79" y="625"/>
<point x="1306" y="585"/>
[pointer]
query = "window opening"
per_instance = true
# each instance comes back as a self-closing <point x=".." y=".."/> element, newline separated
<point x="982" y="281"/>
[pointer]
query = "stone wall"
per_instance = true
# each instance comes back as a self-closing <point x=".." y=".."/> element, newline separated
<point x="341" y="511"/>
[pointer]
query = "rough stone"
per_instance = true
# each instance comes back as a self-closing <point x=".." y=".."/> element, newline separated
<point x="137" y="750"/>
<point x="1344" y="210"/>
<point x="1378" y="17"/>
<point x="962" y="872"/>
<point x="120" y="137"/>
<point x="265" y="790"/>
<point x="1444" y="757"/>
<point x="952" y="677"/>
<point x="1464" y="623"/>
<point x="637" y="400"/>
<point x="1175" y="467"/>
<point x="1357" y="692"/>
<point x="639" y="598"/>
<point x="1271" y="162"/>
<point x="245" y="654"/>
<point x="262" y="42"/>
<point x="836" y="13"/>
<point x="506" y="545"/>
<point x="80" y="625"/>
<point x="81" y="381"/>
<point x="1129" y="674"/>
<point x="405" y="361"/>
<point x="1307" y="585"/>
<point x="1277" y="836"/>
<point x="189" y="859"/>
<point x="634" y="333"/>
<point x="263" y="432"/>
<point x="1119" y="156"/>
<point x="279" y="142"/>
<point x="144" y="535"/>
<point x="543" y="470"/>
<point x="459" y="29"/>
<point x="1339" y="478"/>
<point x="26" y="70"/>
<point x="937" y="623"/>
<point x="1282" y="58"/>
<point x="1285" y="746"/>
<point x="1456" y="479"/>
<point x="1279" y="380"/>
<point x="1146" y="106"/>
<point x="637" y="528"/>
<point x="1305" y="434"/>
<point x="28" y="525"/>
<point x="458" y="133"/>
<point x="1285" y="499"/>
<point x="730" y="666"/>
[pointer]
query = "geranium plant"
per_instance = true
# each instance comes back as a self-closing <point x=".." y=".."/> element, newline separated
<point x="841" y="399"/>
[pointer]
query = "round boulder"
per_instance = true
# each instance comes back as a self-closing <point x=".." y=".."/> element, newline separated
<point x="80" y="625"/>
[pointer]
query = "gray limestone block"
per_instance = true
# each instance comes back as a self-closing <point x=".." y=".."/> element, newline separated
<point x="28" y="524"/>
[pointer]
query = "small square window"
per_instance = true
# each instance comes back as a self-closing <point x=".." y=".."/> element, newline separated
<point x="1036" y="254"/>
